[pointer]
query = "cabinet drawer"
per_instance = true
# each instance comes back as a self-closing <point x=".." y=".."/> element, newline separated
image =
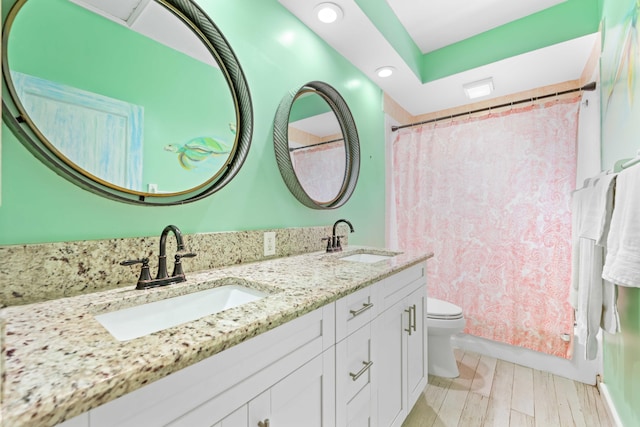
<point x="354" y="366"/>
<point x="394" y="288"/>
<point x="355" y="310"/>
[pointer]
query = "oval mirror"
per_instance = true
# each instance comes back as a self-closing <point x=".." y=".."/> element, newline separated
<point x="142" y="101"/>
<point x="317" y="146"/>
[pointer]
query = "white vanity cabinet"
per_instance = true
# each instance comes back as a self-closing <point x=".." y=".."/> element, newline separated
<point x="354" y="358"/>
<point x="304" y="398"/>
<point x="381" y="364"/>
<point x="358" y="362"/>
<point x="400" y="352"/>
<point x="238" y="418"/>
<point x="417" y="375"/>
<point x="216" y="391"/>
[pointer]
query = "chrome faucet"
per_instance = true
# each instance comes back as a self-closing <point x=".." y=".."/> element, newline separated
<point x="162" y="278"/>
<point x="333" y="243"/>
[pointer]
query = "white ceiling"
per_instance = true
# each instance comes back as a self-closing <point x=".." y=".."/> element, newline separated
<point x="358" y="40"/>
<point x="437" y="23"/>
<point x="122" y="11"/>
<point x="321" y="125"/>
<point x="432" y="24"/>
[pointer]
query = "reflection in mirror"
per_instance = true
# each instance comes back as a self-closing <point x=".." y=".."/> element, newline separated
<point x="143" y="106"/>
<point x="317" y="147"/>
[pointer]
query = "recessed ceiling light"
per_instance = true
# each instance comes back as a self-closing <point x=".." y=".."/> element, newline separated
<point x="328" y="12"/>
<point x="479" y="88"/>
<point x="385" y="71"/>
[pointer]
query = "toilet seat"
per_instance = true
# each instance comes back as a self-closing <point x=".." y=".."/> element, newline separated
<point x="442" y="310"/>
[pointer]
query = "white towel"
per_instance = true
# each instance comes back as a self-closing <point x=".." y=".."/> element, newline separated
<point x="576" y="216"/>
<point x="610" y="320"/>
<point x="593" y="299"/>
<point x="602" y="210"/>
<point x="577" y="203"/>
<point x="604" y="191"/>
<point x="595" y="212"/>
<point x="622" y="263"/>
<point x="589" y="307"/>
<point x="591" y="208"/>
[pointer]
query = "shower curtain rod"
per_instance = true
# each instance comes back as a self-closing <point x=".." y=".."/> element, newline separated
<point x="588" y="87"/>
<point x="315" y="145"/>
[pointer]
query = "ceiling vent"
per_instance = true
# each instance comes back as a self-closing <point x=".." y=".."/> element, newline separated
<point x="478" y="89"/>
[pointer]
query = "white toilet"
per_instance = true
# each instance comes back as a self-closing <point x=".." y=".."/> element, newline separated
<point x="443" y="320"/>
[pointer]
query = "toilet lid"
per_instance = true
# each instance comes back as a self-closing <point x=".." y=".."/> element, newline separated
<point x="438" y="309"/>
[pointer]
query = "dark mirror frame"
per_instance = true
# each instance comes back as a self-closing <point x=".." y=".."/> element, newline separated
<point x="196" y="19"/>
<point x="351" y="140"/>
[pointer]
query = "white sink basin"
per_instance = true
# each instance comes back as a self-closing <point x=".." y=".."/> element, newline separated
<point x="144" y="319"/>
<point x="366" y="258"/>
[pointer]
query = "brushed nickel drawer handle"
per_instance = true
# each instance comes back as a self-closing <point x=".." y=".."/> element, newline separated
<point x="408" y="310"/>
<point x="415" y="322"/>
<point x="365" y="307"/>
<point x="263" y="424"/>
<point x="364" y="369"/>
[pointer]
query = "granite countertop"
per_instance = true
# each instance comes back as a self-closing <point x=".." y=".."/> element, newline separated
<point x="60" y="362"/>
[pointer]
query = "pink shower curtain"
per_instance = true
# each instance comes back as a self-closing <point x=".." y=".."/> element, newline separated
<point x="320" y="169"/>
<point x="491" y="198"/>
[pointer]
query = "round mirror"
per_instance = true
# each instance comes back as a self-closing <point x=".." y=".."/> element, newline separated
<point x="317" y="146"/>
<point x="142" y="101"/>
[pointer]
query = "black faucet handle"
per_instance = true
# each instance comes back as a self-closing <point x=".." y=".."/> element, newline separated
<point x="329" y="243"/>
<point x="143" y="261"/>
<point x="179" y="256"/>
<point x="178" y="272"/>
<point x="145" y="274"/>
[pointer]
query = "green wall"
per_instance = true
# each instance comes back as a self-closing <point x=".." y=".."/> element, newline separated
<point x="277" y="53"/>
<point x="566" y="20"/>
<point x="620" y="91"/>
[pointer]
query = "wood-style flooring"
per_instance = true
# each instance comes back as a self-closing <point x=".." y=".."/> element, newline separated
<point x="492" y="392"/>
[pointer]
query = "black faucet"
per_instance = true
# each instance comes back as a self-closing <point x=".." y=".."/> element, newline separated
<point x="162" y="258"/>
<point x="333" y="243"/>
<point x="162" y="278"/>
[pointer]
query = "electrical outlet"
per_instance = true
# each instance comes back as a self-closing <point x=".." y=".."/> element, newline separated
<point x="269" y="243"/>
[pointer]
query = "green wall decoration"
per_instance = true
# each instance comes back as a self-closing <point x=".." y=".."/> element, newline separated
<point x="197" y="151"/>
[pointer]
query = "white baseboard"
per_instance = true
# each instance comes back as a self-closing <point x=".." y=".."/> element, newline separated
<point x="578" y="369"/>
<point x="606" y="397"/>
